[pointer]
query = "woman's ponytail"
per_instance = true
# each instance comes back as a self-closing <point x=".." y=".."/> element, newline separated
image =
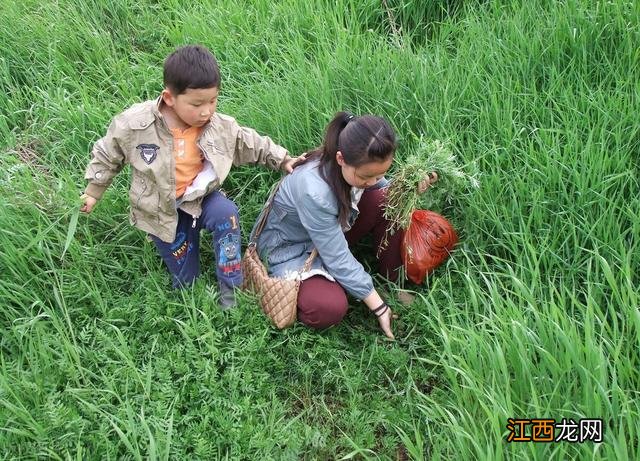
<point x="334" y="129"/>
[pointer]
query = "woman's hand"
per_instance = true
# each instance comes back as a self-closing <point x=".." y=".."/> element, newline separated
<point x="380" y="309"/>
<point x="427" y="182"/>
<point x="290" y="162"/>
<point x="385" y="323"/>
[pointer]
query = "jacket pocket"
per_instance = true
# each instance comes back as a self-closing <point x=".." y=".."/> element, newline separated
<point x="144" y="198"/>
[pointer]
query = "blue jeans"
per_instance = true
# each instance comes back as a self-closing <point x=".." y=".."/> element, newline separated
<point x="182" y="256"/>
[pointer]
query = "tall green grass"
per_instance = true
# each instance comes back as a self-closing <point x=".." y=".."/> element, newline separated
<point x="534" y="316"/>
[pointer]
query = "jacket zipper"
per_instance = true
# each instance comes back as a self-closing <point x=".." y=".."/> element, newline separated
<point x="172" y="164"/>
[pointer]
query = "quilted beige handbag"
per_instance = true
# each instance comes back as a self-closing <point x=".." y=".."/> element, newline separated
<point x="278" y="297"/>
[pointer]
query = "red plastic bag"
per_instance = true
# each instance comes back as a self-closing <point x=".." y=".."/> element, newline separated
<point x="426" y="244"/>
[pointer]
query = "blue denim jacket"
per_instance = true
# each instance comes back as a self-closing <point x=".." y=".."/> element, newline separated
<point x="304" y="216"/>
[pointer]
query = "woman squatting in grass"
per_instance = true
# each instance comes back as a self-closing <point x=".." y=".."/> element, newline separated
<point x="330" y="201"/>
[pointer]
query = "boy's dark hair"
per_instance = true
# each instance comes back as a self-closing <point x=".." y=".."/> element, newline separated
<point x="191" y="66"/>
<point x="361" y="140"/>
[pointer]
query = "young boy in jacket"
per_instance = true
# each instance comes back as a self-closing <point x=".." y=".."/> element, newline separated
<point x="180" y="151"/>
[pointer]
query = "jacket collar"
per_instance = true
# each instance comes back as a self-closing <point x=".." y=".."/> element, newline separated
<point x="156" y="107"/>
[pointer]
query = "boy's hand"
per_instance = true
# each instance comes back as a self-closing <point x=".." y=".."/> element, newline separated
<point x="88" y="203"/>
<point x="289" y="163"/>
<point x="426" y="182"/>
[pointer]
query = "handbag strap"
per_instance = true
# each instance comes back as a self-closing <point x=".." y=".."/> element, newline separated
<point x="307" y="263"/>
<point x="265" y="212"/>
<point x="263" y="221"/>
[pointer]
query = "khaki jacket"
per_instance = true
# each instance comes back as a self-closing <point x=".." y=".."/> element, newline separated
<point x="140" y="137"/>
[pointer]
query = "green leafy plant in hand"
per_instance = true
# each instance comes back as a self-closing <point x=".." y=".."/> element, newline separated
<point x="403" y="196"/>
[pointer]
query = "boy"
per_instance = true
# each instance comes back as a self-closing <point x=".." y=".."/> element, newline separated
<point x="180" y="151"/>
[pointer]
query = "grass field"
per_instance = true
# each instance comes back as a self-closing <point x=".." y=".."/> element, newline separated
<point x="536" y="315"/>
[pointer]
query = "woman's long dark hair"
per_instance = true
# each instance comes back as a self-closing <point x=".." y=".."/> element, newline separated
<point x="363" y="139"/>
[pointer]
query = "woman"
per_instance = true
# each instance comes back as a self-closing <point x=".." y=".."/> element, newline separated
<point x="330" y="201"/>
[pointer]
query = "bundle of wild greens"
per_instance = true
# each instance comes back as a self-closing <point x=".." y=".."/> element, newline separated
<point x="403" y="196"/>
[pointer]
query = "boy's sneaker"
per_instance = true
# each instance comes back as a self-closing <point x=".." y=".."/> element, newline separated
<point x="227" y="298"/>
